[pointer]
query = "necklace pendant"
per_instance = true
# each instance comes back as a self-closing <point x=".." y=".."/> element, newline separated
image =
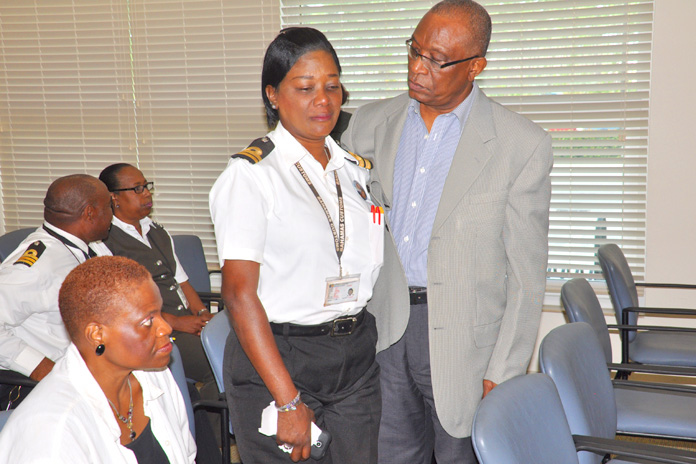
<point x="132" y="435"/>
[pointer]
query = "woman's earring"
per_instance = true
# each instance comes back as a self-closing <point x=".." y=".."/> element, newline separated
<point x="274" y="107"/>
<point x="100" y="349"/>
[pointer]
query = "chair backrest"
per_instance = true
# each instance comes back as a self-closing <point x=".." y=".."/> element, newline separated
<point x="522" y="421"/>
<point x="571" y="356"/>
<point x="622" y="287"/>
<point x="11" y="240"/>
<point x="189" y="250"/>
<point x="581" y="305"/>
<point x="176" y="366"/>
<point x="213" y="337"/>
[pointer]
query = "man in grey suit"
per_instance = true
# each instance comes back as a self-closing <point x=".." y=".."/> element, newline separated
<point x="465" y="187"/>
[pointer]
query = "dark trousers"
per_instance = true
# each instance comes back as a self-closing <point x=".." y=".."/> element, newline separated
<point x="410" y="430"/>
<point x="339" y="380"/>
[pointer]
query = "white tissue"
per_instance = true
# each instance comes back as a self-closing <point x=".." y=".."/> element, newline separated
<point x="269" y="426"/>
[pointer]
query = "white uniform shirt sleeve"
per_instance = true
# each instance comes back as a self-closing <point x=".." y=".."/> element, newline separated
<point x="239" y="194"/>
<point x="22" y="293"/>
<point x="180" y="275"/>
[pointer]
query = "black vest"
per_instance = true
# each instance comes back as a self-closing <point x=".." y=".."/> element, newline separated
<point x="159" y="260"/>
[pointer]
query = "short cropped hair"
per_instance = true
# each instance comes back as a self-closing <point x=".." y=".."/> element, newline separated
<point x="282" y="54"/>
<point x="478" y="18"/>
<point x="68" y="196"/>
<point x="96" y="289"/>
<point x="109" y="175"/>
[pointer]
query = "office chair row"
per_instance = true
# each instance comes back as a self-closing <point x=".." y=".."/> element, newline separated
<point x="568" y="414"/>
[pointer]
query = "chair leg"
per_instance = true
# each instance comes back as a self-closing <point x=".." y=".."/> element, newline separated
<point x="225" y="435"/>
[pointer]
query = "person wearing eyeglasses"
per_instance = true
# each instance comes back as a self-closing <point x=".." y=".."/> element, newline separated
<point x="136" y="236"/>
<point x="466" y="189"/>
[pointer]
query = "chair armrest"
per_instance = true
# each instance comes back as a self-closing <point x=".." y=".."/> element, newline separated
<point x="649" y="310"/>
<point x="656" y="328"/>
<point x="209" y="404"/>
<point x="627" y="450"/>
<point x="653" y="369"/>
<point x="212" y="297"/>
<point x="655" y="386"/>
<point x="656" y="285"/>
<point x="15" y="378"/>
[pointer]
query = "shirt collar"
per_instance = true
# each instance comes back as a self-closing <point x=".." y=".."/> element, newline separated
<point x="85" y="382"/>
<point x="145" y="224"/>
<point x="461" y="111"/>
<point x="292" y="151"/>
<point x="76" y="241"/>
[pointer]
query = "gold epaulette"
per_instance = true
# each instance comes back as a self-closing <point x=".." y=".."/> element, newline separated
<point x="32" y="255"/>
<point x="360" y="161"/>
<point x="257" y="150"/>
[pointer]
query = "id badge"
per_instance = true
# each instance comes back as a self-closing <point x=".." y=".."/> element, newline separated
<point x="342" y="289"/>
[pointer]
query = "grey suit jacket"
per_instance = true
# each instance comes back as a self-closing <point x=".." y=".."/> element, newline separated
<point x="487" y="253"/>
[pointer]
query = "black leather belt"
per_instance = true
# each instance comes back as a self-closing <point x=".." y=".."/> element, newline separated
<point x="418" y="295"/>
<point x="336" y="328"/>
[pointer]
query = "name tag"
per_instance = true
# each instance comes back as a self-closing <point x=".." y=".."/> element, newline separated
<point x="342" y="289"/>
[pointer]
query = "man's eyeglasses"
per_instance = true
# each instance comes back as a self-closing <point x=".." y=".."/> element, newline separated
<point x="138" y="189"/>
<point x="429" y="62"/>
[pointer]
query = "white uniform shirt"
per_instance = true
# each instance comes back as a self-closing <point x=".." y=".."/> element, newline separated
<point x="67" y="419"/>
<point x="266" y="212"/>
<point x="30" y="323"/>
<point x="145" y="224"/>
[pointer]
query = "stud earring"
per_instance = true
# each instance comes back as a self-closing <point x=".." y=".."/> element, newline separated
<point x="274" y="107"/>
<point x="100" y="349"/>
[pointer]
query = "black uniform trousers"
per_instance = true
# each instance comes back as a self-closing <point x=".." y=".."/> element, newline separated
<point x="338" y="379"/>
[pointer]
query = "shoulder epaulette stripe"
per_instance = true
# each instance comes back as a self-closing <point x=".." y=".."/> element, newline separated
<point x="256" y="151"/>
<point x="360" y="161"/>
<point x="32" y="255"/>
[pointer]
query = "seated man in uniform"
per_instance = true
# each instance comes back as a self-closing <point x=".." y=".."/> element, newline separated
<point x="77" y="211"/>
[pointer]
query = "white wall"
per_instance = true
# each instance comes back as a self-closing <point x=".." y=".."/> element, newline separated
<point x="671" y="230"/>
<point x="671" y="214"/>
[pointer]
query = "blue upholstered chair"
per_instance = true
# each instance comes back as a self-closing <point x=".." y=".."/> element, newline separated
<point x="671" y="346"/>
<point x="639" y="405"/>
<point x="176" y="367"/>
<point x="213" y="337"/>
<point x="11" y="240"/>
<point x="189" y="250"/>
<point x="522" y="421"/>
<point x="572" y="357"/>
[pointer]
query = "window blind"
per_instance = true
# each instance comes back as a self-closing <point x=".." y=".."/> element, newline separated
<point x="172" y="87"/>
<point x="580" y="69"/>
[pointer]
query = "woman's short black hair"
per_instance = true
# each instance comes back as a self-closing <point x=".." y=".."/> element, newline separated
<point x="109" y="175"/>
<point x="282" y="54"/>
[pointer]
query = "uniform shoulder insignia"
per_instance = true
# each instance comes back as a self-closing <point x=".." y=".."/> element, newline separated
<point x="258" y="150"/>
<point x="359" y="160"/>
<point x="32" y="254"/>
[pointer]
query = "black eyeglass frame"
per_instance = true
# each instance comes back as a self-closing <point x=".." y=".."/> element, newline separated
<point x="427" y="59"/>
<point x="138" y="189"/>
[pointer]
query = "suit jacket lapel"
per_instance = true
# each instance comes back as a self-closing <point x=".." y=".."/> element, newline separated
<point x="387" y="144"/>
<point x="469" y="159"/>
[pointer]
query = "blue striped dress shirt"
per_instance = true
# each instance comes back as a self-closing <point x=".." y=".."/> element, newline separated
<point x="422" y="163"/>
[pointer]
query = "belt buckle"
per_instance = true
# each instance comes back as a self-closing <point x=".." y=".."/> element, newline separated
<point x="343" y="326"/>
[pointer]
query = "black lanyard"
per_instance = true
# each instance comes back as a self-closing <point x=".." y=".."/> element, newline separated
<point x="340" y="237"/>
<point x="67" y="242"/>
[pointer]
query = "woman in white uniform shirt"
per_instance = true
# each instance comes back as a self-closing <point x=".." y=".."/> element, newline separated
<point x="300" y="247"/>
<point x="111" y="397"/>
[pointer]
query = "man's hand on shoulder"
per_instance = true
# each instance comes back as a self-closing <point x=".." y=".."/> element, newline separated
<point x="42" y="370"/>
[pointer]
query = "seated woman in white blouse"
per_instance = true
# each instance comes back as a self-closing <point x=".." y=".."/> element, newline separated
<point x="111" y="397"/>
